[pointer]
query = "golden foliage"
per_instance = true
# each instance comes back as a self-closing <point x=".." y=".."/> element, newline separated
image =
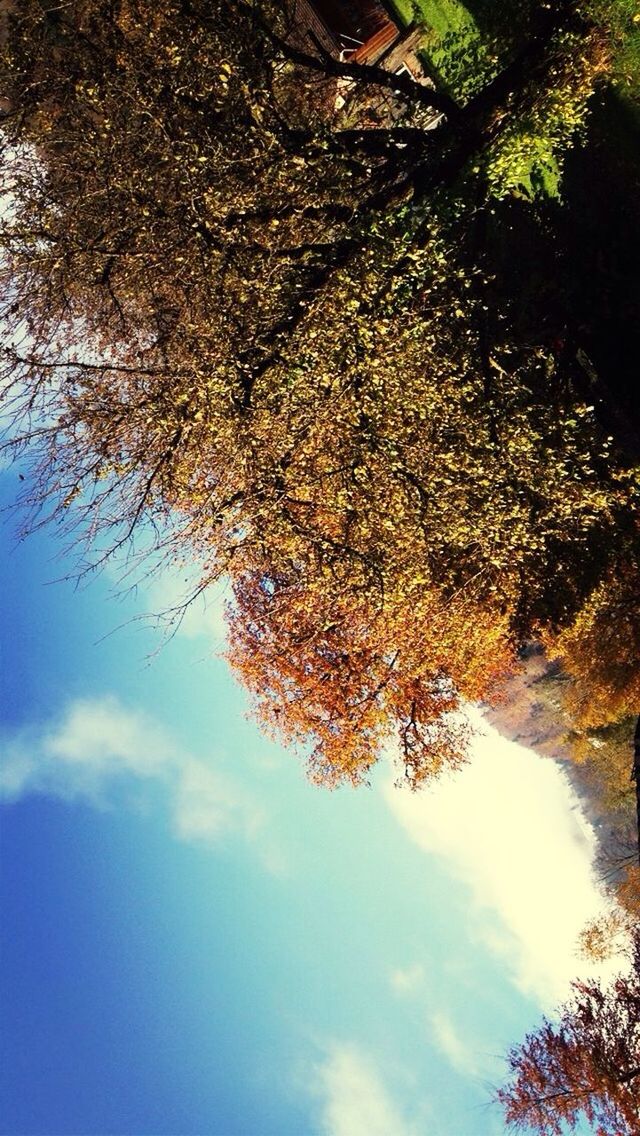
<point x="226" y="325"/>
<point x="601" y="648"/>
<point x="606" y="935"/>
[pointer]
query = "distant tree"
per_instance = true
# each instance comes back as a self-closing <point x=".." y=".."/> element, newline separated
<point x="606" y="935"/>
<point x="584" y="1066"/>
<point x="601" y="649"/>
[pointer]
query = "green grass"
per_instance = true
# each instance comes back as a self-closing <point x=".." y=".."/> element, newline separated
<point x="454" y="50"/>
<point x="445" y="17"/>
<point x="466" y="44"/>
<point x="405" y="10"/>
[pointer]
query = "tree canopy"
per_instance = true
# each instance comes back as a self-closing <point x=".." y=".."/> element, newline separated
<point x="255" y="323"/>
<point x="584" y="1066"/>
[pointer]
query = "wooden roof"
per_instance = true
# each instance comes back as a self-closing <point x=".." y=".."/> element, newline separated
<point x="340" y="25"/>
<point x="376" y="45"/>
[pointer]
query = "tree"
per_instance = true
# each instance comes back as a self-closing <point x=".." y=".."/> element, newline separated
<point x="600" y="649"/>
<point x="250" y="327"/>
<point x="584" y="1066"/>
<point x="333" y="670"/>
<point x="606" y="935"/>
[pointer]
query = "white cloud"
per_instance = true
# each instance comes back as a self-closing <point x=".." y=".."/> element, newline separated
<point x="450" y="1043"/>
<point x="355" y="1100"/>
<point x="100" y="734"/>
<point x="207" y="806"/>
<point x="406" y="980"/>
<point x="95" y="743"/>
<point x="99" y="748"/>
<point x="18" y="770"/>
<point x="510" y="826"/>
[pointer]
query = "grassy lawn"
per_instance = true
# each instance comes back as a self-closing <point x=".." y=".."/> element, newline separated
<point x="464" y="46"/>
<point x="443" y="16"/>
<point x="453" y="46"/>
<point x="465" y="42"/>
<point x="446" y="17"/>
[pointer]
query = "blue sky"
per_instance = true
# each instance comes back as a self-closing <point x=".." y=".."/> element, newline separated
<point x="197" y="941"/>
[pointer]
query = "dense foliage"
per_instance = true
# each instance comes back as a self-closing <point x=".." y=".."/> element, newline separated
<point x="258" y="327"/>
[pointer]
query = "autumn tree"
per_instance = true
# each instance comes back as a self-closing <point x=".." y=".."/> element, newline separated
<point x="600" y="650"/>
<point x="585" y="1065"/>
<point x="606" y="935"/>
<point x="246" y="325"/>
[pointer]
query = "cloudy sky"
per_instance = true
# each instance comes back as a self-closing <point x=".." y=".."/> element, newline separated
<point x="197" y="941"/>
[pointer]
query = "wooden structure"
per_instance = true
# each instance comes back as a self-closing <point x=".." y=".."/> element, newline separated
<point x="393" y="49"/>
<point x="362" y="31"/>
<point x="339" y="26"/>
